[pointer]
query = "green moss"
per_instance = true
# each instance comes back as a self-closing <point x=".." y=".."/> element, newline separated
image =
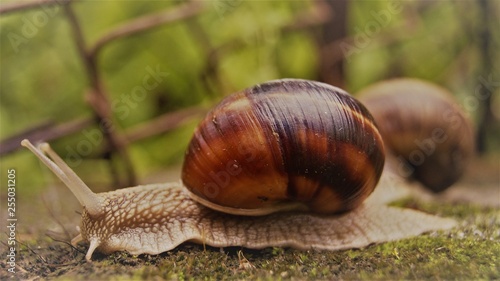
<point x="470" y="251"/>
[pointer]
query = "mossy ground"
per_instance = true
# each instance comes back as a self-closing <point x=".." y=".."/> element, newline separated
<point x="471" y="251"/>
<point x="468" y="252"/>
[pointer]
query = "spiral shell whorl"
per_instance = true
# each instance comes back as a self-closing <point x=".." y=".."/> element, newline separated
<point x="285" y="141"/>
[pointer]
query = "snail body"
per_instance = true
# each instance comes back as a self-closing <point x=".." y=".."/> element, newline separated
<point x="299" y="157"/>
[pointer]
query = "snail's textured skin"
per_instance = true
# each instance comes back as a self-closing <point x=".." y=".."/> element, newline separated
<point x="282" y="141"/>
<point x="156" y="218"/>
<point x="423" y="127"/>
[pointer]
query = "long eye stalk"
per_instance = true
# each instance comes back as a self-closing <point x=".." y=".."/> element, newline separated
<point x="82" y="192"/>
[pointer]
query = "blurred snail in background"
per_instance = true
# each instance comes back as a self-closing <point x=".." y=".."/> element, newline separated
<point x="424" y="128"/>
<point x="284" y="163"/>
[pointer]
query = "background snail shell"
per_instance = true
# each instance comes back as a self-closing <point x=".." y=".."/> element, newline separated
<point x="422" y="126"/>
<point x="285" y="143"/>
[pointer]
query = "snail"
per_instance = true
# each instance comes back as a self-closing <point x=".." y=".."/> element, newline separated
<point x="285" y="163"/>
<point x="424" y="128"/>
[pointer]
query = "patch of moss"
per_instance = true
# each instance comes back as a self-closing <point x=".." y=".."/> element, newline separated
<point x="470" y="251"/>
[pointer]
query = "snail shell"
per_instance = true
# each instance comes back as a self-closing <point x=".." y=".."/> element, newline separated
<point x="424" y="128"/>
<point x="284" y="144"/>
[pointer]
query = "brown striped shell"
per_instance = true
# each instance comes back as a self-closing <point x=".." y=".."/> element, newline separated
<point x="284" y="144"/>
<point x="423" y="128"/>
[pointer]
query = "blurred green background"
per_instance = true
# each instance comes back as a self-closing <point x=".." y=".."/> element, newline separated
<point x="227" y="46"/>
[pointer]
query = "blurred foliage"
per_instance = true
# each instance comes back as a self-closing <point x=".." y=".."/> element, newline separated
<point x="42" y="77"/>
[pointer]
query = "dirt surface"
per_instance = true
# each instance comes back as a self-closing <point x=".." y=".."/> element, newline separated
<point x="47" y="222"/>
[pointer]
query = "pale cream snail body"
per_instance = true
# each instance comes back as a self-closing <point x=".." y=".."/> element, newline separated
<point x="284" y="163"/>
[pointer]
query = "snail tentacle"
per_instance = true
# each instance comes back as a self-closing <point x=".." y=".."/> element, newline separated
<point x="93" y="245"/>
<point x="77" y="239"/>
<point x="82" y="192"/>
